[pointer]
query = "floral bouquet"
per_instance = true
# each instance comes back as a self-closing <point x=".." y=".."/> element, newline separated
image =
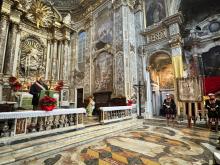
<point x="130" y="102"/>
<point x="14" y="83"/>
<point x="48" y="103"/>
<point x="59" y="86"/>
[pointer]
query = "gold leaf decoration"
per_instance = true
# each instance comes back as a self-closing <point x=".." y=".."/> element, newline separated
<point x="40" y="14"/>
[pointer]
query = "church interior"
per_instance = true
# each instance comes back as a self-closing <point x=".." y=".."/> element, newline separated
<point x="109" y="82"/>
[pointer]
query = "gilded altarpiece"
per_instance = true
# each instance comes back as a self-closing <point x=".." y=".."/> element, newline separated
<point x="32" y="57"/>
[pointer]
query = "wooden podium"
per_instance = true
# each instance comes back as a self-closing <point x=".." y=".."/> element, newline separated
<point x="102" y="99"/>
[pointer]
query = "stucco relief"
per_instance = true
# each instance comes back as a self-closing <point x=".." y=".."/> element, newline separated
<point x="104" y="72"/>
<point x="32" y="60"/>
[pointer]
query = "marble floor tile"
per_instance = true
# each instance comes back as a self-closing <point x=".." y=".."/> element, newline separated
<point x="149" y="145"/>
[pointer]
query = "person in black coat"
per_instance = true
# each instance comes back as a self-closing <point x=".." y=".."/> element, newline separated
<point x="213" y="107"/>
<point x="169" y="108"/>
<point x="35" y="90"/>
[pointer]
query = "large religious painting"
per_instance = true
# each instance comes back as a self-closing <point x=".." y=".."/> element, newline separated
<point x="211" y="62"/>
<point x="161" y="71"/>
<point x="189" y="89"/>
<point x="32" y="60"/>
<point x="103" y="26"/>
<point x="190" y="63"/>
<point x="104" y="72"/>
<point x="155" y="11"/>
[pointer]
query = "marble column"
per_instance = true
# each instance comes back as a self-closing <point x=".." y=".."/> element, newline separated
<point x="17" y="49"/>
<point x="10" y="63"/>
<point x="54" y="61"/>
<point x="4" y="26"/>
<point x="48" y="60"/>
<point x="65" y="58"/>
<point x="1" y="86"/>
<point x="59" y="60"/>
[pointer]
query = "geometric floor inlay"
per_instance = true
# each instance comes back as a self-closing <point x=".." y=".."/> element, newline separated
<point x="147" y="146"/>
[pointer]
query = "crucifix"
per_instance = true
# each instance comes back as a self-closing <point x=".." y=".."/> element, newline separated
<point x="139" y="86"/>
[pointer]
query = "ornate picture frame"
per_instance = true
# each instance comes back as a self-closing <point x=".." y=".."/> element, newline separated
<point x="189" y="89"/>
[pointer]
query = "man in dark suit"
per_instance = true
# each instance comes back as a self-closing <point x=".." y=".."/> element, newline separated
<point x="35" y="90"/>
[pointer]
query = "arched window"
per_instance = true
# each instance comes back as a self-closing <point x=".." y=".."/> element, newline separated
<point x="81" y="46"/>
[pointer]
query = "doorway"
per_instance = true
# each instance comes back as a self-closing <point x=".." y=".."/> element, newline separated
<point x="162" y="79"/>
<point x="80" y="101"/>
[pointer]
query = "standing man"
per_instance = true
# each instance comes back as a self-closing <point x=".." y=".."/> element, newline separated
<point x="36" y="89"/>
<point x="213" y="107"/>
<point x="169" y="107"/>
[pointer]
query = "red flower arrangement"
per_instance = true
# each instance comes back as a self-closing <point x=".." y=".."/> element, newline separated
<point x="14" y="83"/>
<point x="130" y="102"/>
<point x="48" y="103"/>
<point x="59" y="86"/>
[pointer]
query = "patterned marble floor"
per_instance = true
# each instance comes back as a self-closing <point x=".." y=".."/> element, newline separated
<point x="149" y="145"/>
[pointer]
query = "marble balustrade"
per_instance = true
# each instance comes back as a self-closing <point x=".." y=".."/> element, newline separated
<point x="25" y="122"/>
<point x="111" y="114"/>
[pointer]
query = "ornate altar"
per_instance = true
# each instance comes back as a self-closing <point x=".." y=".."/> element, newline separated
<point x="37" y="44"/>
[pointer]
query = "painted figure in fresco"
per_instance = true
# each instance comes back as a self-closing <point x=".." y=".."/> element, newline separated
<point x="155" y="12"/>
<point x="90" y="107"/>
<point x="213" y="107"/>
<point x="35" y="90"/>
<point x="169" y="107"/>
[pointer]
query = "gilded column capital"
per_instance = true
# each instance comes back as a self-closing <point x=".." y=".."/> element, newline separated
<point x="5" y="17"/>
<point x="6" y="7"/>
<point x="175" y="41"/>
<point x="15" y="16"/>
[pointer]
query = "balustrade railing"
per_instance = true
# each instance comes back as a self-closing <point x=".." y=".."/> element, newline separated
<point x="111" y="114"/>
<point x="40" y="122"/>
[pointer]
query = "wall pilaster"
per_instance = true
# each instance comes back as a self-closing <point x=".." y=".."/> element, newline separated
<point x="4" y="26"/>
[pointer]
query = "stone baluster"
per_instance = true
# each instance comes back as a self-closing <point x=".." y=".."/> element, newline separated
<point x="33" y="124"/>
<point x="40" y="124"/>
<point x="5" y="130"/>
<point x="4" y="26"/>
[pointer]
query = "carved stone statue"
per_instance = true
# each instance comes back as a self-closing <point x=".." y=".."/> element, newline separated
<point x="67" y="19"/>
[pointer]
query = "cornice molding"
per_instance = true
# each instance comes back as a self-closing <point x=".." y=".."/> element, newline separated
<point x="118" y="3"/>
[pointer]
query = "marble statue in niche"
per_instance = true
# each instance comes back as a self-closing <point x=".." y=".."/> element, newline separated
<point x="31" y="57"/>
<point x="103" y="26"/>
<point x="103" y="72"/>
<point x="155" y="11"/>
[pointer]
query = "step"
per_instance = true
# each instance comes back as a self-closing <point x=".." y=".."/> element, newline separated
<point x="77" y="133"/>
<point x="57" y="143"/>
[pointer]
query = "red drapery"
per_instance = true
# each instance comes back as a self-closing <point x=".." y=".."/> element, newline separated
<point x="211" y="84"/>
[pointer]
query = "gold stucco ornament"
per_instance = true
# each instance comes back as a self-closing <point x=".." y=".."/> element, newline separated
<point x="40" y="13"/>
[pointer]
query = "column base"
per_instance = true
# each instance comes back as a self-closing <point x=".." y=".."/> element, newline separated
<point x="140" y="117"/>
